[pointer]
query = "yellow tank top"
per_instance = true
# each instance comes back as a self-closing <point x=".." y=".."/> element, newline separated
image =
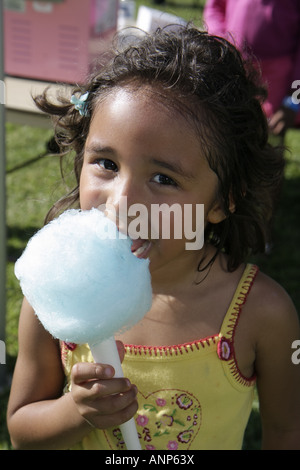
<point x="191" y="396"/>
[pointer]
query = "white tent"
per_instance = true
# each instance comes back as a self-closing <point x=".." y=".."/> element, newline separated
<point x="2" y="203"/>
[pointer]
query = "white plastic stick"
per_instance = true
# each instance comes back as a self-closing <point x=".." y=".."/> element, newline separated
<point x="106" y="352"/>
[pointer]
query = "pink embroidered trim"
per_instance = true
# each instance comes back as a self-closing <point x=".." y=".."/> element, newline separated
<point x="64" y="348"/>
<point x="173" y="350"/>
<point x="70" y="346"/>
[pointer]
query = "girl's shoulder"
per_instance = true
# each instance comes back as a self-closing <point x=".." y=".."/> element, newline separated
<point x="269" y="297"/>
<point x="269" y="308"/>
<point x="266" y="328"/>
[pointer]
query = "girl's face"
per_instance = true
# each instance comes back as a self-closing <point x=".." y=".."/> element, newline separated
<point x="138" y="151"/>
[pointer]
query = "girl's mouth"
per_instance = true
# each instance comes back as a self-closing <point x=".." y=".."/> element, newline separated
<point x="140" y="248"/>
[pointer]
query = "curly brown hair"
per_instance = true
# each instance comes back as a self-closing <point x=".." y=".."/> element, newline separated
<point x="203" y="73"/>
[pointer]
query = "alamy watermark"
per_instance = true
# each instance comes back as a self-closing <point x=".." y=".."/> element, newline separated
<point x="2" y="352"/>
<point x="160" y="221"/>
<point x="296" y="93"/>
<point x="2" y="92"/>
<point x="296" y="354"/>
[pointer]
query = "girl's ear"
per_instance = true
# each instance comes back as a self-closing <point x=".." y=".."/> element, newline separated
<point x="216" y="214"/>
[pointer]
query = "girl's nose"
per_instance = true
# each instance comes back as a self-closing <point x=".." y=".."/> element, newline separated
<point x="124" y="193"/>
<point x="125" y="187"/>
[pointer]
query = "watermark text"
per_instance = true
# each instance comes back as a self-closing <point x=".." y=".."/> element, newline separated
<point x="296" y="354"/>
<point x="160" y="221"/>
<point x="2" y="92"/>
<point x="2" y="352"/>
<point x="296" y="93"/>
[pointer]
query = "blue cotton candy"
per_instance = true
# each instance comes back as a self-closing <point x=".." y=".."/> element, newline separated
<point x="82" y="280"/>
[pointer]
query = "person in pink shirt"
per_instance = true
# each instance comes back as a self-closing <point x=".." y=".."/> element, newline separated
<point x="269" y="30"/>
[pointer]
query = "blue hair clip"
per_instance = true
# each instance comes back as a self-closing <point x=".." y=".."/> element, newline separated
<point x="80" y="103"/>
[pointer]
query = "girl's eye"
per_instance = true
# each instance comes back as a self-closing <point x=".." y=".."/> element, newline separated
<point x="107" y="164"/>
<point x="164" y="180"/>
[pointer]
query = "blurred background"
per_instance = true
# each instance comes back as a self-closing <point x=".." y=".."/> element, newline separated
<point x="33" y="181"/>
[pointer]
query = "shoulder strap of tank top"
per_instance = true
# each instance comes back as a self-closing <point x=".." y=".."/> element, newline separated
<point x="240" y="296"/>
<point x="225" y="348"/>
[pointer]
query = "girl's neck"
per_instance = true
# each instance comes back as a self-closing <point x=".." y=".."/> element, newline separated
<point x="183" y="273"/>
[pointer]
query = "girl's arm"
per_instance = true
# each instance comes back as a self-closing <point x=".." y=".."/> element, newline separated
<point x="278" y="379"/>
<point x="39" y="416"/>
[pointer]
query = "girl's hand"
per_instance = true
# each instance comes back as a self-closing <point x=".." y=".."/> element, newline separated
<point x="103" y="401"/>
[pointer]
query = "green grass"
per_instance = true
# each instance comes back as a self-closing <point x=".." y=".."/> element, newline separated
<point x="190" y="10"/>
<point x="34" y="183"/>
<point x="284" y="261"/>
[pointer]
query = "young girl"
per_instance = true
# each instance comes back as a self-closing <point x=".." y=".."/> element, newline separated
<point x="173" y="118"/>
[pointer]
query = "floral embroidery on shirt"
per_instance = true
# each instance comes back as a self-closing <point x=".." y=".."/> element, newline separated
<point x="184" y="401"/>
<point x="118" y="435"/>
<point x="224" y="349"/>
<point x="168" y="419"/>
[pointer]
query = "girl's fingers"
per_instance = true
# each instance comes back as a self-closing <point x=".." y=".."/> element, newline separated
<point x="108" y="421"/>
<point x="101" y="399"/>
<point x="103" y="411"/>
<point x="101" y="388"/>
<point x="115" y="403"/>
<point x="84" y="371"/>
<point x="93" y="381"/>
